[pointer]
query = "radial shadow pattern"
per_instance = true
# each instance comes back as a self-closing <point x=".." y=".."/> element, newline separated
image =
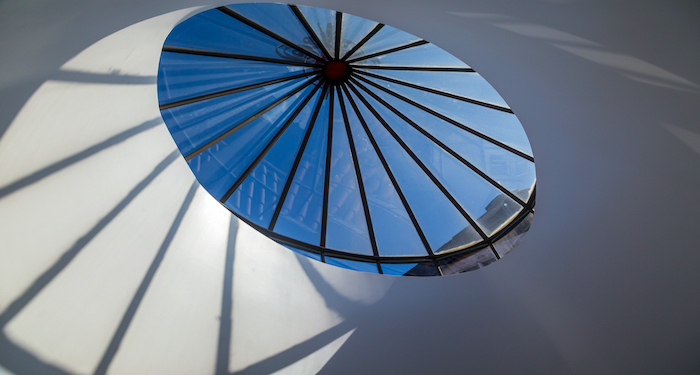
<point x="347" y="140"/>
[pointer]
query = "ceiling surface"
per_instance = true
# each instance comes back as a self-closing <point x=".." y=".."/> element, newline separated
<point x="101" y="273"/>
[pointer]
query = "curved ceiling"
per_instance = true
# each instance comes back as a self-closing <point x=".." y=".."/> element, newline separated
<point x="606" y="282"/>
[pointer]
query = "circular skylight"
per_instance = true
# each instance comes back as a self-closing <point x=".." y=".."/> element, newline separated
<point x="347" y="140"/>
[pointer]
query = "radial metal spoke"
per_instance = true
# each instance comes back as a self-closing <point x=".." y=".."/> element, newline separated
<point x="269" y="145"/>
<point x="327" y="175"/>
<point x="226" y="55"/>
<point x="245" y="122"/>
<point x="338" y="31"/>
<point x="404" y="201"/>
<point x="418" y="68"/>
<point x="363" y="41"/>
<point x="445" y="147"/>
<point x="425" y="169"/>
<point x="310" y="30"/>
<point x="358" y="174"/>
<point x="493" y="250"/>
<point x="232" y="91"/>
<point x="442" y="117"/>
<point x="437" y="92"/>
<point x="297" y="160"/>
<point x="239" y="17"/>
<point x="396" y="49"/>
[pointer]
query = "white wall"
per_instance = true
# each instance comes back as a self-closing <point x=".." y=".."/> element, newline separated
<point x="112" y="260"/>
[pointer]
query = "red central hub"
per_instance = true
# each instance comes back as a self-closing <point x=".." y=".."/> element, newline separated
<point x="335" y="70"/>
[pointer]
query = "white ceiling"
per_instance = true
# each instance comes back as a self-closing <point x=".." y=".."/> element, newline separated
<point x="606" y="281"/>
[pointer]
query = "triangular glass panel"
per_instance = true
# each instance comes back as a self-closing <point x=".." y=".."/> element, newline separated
<point x="281" y="21"/>
<point x="322" y="22"/>
<point x="393" y="229"/>
<point x="301" y="214"/>
<point x="501" y="126"/>
<point x="386" y="38"/>
<point x="513" y="172"/>
<point x="258" y="196"/>
<point x="354" y="29"/>
<point x="193" y="125"/>
<point x="426" y="55"/>
<point x="347" y="225"/>
<point x="436" y="215"/>
<point x="218" y="167"/>
<point x="183" y="76"/>
<point x="482" y="201"/>
<point x="215" y="31"/>
<point x="466" y="84"/>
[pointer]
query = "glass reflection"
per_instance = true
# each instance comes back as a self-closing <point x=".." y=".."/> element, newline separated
<point x="509" y="170"/>
<point x="439" y="219"/>
<point x="354" y="29"/>
<point x="281" y="21"/>
<point x="259" y="194"/>
<point x="467" y="262"/>
<point x="193" y="125"/>
<point x="347" y="225"/>
<point x="182" y="76"/>
<point x="479" y="200"/>
<point x="216" y="31"/>
<point x="300" y="217"/>
<point x="399" y="269"/>
<point x="322" y="21"/>
<point x="394" y="231"/>
<point x="386" y="38"/>
<point x="504" y="245"/>
<point x="218" y="167"/>
<point x="498" y="125"/>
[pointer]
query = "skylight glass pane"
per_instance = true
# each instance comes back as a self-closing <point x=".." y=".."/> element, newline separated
<point x="437" y="217"/>
<point x="219" y="167"/>
<point x="322" y="22"/>
<point x="502" y="126"/>
<point x="353" y="265"/>
<point x="467" y="262"/>
<point x="515" y="173"/>
<point x="504" y="245"/>
<point x="347" y="225"/>
<point x="393" y="229"/>
<point x="300" y="217"/>
<point x="354" y="29"/>
<point x="216" y="31"/>
<point x="397" y="269"/>
<point x="482" y="201"/>
<point x="423" y="269"/>
<point x="470" y="85"/>
<point x="193" y="125"/>
<point x="386" y="38"/>
<point x="260" y="192"/>
<point x="281" y="21"/>
<point x="426" y="55"/>
<point x="183" y="76"/>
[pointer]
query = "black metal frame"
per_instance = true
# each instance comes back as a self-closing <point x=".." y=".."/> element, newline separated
<point x="226" y="55"/>
<point x="346" y="90"/>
